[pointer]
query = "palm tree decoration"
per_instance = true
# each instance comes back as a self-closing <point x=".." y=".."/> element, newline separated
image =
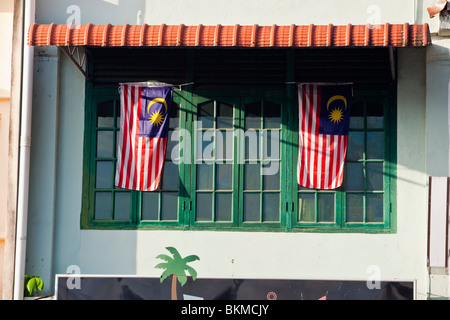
<point x="176" y="266"/>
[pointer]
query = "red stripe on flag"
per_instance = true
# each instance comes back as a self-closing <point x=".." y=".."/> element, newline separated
<point x="147" y="142"/>
<point x="122" y="142"/>
<point x="308" y="135"/>
<point x="324" y="148"/>
<point x="332" y="161"/>
<point x="316" y="136"/>
<point x="127" y="132"/>
<point x="152" y="162"/>
<point x="133" y="139"/>
<point x="300" y="171"/>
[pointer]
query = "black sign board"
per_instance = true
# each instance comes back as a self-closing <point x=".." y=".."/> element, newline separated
<point x="92" y="287"/>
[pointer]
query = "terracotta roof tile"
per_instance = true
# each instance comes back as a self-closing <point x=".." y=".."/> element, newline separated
<point x="396" y="35"/>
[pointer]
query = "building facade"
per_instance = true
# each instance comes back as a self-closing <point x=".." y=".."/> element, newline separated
<point x="229" y="192"/>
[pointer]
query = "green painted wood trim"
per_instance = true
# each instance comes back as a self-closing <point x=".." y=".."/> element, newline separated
<point x="85" y="198"/>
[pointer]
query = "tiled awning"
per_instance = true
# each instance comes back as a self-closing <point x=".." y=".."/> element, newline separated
<point x="386" y="35"/>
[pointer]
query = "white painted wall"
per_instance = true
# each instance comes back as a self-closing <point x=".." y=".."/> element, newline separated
<point x="298" y="255"/>
<point x="212" y="12"/>
<point x="281" y="12"/>
<point x="438" y="81"/>
<point x="41" y="212"/>
<point x="438" y="125"/>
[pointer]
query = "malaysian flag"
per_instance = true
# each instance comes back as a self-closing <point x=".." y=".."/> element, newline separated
<point x="323" y="133"/>
<point x="144" y="124"/>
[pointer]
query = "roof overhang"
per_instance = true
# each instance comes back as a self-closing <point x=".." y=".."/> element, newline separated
<point x="250" y="36"/>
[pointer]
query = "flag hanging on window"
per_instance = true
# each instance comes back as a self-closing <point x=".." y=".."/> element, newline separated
<point x="324" y="118"/>
<point x="144" y="125"/>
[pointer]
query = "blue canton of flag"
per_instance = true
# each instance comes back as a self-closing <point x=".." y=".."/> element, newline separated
<point x="155" y="112"/>
<point x="335" y="109"/>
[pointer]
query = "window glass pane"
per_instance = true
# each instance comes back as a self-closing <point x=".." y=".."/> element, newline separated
<point x="170" y="176"/>
<point x="224" y="204"/>
<point x="272" y="181"/>
<point x="122" y="205"/>
<point x="204" y="207"/>
<point x="117" y="141"/>
<point x="224" y="145"/>
<point x="117" y="114"/>
<point x="325" y="207"/>
<point x="252" y="144"/>
<point x="104" y="174"/>
<point x="354" y="177"/>
<point x="206" y="114"/>
<point x="375" y="115"/>
<point x="271" y="144"/>
<point x="375" y="145"/>
<point x="306" y="207"/>
<point x="204" y="176"/>
<point x="173" y="145"/>
<point x="224" y="176"/>
<point x="355" y="146"/>
<point x="253" y="115"/>
<point x="357" y="116"/>
<point x="374" y="176"/>
<point x="150" y="206"/>
<point x="224" y="115"/>
<point x="105" y="114"/>
<point x="271" y="207"/>
<point x="174" y="116"/>
<point x="251" y="207"/>
<point x="169" y="206"/>
<point x="103" y="205"/>
<point x="252" y="176"/>
<point x="205" y="145"/>
<point x="374" y="208"/>
<point x="105" y="147"/>
<point x="229" y="141"/>
<point x="272" y="115"/>
<point x="355" y="209"/>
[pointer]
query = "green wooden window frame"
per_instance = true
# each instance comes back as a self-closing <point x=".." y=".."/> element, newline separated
<point x="263" y="77"/>
<point x="109" y="207"/>
<point x="346" y="209"/>
<point x="367" y="200"/>
<point x="225" y="200"/>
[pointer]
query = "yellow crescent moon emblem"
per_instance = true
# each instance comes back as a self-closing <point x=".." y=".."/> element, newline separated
<point x="156" y="100"/>
<point x="333" y="98"/>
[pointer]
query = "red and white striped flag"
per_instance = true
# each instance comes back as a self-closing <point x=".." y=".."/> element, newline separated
<point x="324" y="118"/>
<point x="144" y="124"/>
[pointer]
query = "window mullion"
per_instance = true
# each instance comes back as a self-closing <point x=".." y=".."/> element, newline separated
<point x="238" y="170"/>
<point x="238" y="164"/>
<point x="261" y="160"/>
<point x="214" y="161"/>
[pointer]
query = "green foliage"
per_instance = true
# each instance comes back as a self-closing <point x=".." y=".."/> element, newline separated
<point x="32" y="285"/>
<point x="176" y="265"/>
